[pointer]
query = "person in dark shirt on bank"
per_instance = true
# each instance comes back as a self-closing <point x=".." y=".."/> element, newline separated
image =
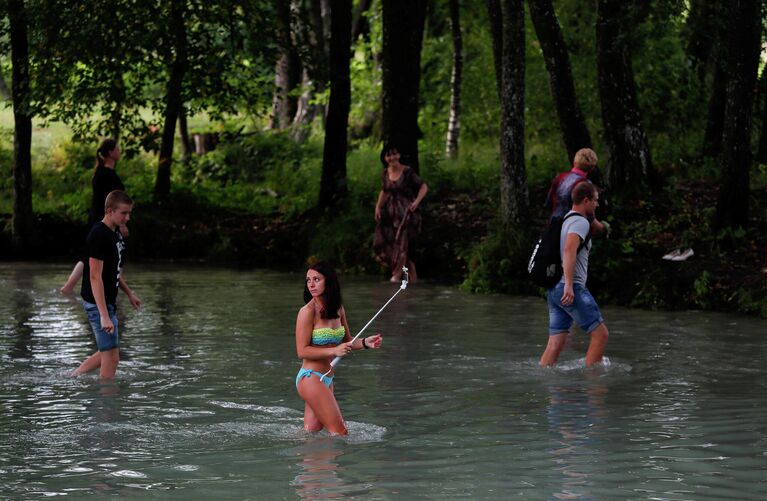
<point x="105" y="180"/>
<point x="101" y="278"/>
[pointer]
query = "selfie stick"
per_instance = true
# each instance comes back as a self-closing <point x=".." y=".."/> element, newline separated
<point x="401" y="288"/>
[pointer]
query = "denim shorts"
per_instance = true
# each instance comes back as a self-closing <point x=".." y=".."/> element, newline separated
<point x="583" y="310"/>
<point x="104" y="340"/>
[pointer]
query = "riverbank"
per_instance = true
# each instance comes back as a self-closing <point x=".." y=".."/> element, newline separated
<point x="458" y="245"/>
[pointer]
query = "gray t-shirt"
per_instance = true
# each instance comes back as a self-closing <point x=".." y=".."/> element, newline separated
<point x="581" y="227"/>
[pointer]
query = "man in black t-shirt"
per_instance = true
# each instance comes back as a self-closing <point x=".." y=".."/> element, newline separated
<point x="101" y="279"/>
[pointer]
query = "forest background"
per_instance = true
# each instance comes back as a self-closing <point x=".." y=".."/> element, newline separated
<point x="252" y="130"/>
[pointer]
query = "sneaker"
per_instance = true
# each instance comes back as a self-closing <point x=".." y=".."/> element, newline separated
<point x="684" y="256"/>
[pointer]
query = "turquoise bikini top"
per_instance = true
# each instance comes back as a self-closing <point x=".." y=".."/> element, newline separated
<point x="328" y="335"/>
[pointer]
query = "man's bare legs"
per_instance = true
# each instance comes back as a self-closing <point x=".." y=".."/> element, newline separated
<point x="597" y="345"/>
<point x="553" y="349"/>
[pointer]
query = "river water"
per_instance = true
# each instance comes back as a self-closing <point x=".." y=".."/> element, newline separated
<point x="452" y="406"/>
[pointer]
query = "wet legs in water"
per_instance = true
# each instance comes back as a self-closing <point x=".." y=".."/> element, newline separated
<point x="321" y="410"/>
<point x="105" y="361"/>
<point x="593" y="355"/>
<point x="74" y="279"/>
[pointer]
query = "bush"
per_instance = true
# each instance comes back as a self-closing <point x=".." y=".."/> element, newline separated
<point x="499" y="264"/>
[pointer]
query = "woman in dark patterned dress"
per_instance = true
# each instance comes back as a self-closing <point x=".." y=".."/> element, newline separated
<point x="398" y="220"/>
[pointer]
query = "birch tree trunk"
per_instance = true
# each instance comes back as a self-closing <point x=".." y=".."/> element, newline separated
<point x="309" y="31"/>
<point x="456" y="77"/>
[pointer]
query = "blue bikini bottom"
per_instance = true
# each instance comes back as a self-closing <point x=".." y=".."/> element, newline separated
<point x="327" y="380"/>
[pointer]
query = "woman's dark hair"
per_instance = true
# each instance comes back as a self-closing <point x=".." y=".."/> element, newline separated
<point x="387" y="149"/>
<point x="103" y="150"/>
<point x="332" y="294"/>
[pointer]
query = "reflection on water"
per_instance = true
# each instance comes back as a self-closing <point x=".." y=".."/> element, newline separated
<point x="454" y="406"/>
<point x="319" y="477"/>
<point x="576" y="413"/>
<point x="21" y="313"/>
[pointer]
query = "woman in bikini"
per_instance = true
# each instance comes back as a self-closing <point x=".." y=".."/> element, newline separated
<point x="322" y="334"/>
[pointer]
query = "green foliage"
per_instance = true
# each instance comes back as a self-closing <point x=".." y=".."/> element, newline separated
<point x="499" y="264"/>
<point x="476" y="169"/>
<point x="349" y="241"/>
<point x="102" y="67"/>
<point x="702" y="289"/>
<point x="365" y="75"/>
<point x="257" y="172"/>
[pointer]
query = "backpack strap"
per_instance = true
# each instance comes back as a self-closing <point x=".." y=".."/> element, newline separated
<point x="588" y="237"/>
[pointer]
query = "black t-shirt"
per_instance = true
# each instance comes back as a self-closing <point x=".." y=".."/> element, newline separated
<point x="104" y="181"/>
<point x="105" y="245"/>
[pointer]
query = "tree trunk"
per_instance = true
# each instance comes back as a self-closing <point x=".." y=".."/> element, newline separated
<point x="761" y="154"/>
<point x="495" y="19"/>
<point x="5" y="92"/>
<point x="309" y="31"/>
<point x="118" y="99"/>
<point x="712" y="139"/>
<point x="173" y="98"/>
<point x="287" y="71"/>
<point x="403" y="26"/>
<point x="706" y="33"/>
<point x="456" y="77"/>
<point x="321" y="21"/>
<point x="117" y="91"/>
<point x="116" y="121"/>
<point x="571" y="122"/>
<point x="361" y="25"/>
<point x="703" y="27"/>
<point x="514" y="192"/>
<point x="183" y="131"/>
<point x="333" y="182"/>
<point x="742" y="65"/>
<point x="629" y="167"/>
<point x="22" y="222"/>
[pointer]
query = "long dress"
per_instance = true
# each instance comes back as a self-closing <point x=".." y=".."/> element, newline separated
<point x="398" y="227"/>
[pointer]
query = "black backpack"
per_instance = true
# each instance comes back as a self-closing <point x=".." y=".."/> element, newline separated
<point x="545" y="266"/>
